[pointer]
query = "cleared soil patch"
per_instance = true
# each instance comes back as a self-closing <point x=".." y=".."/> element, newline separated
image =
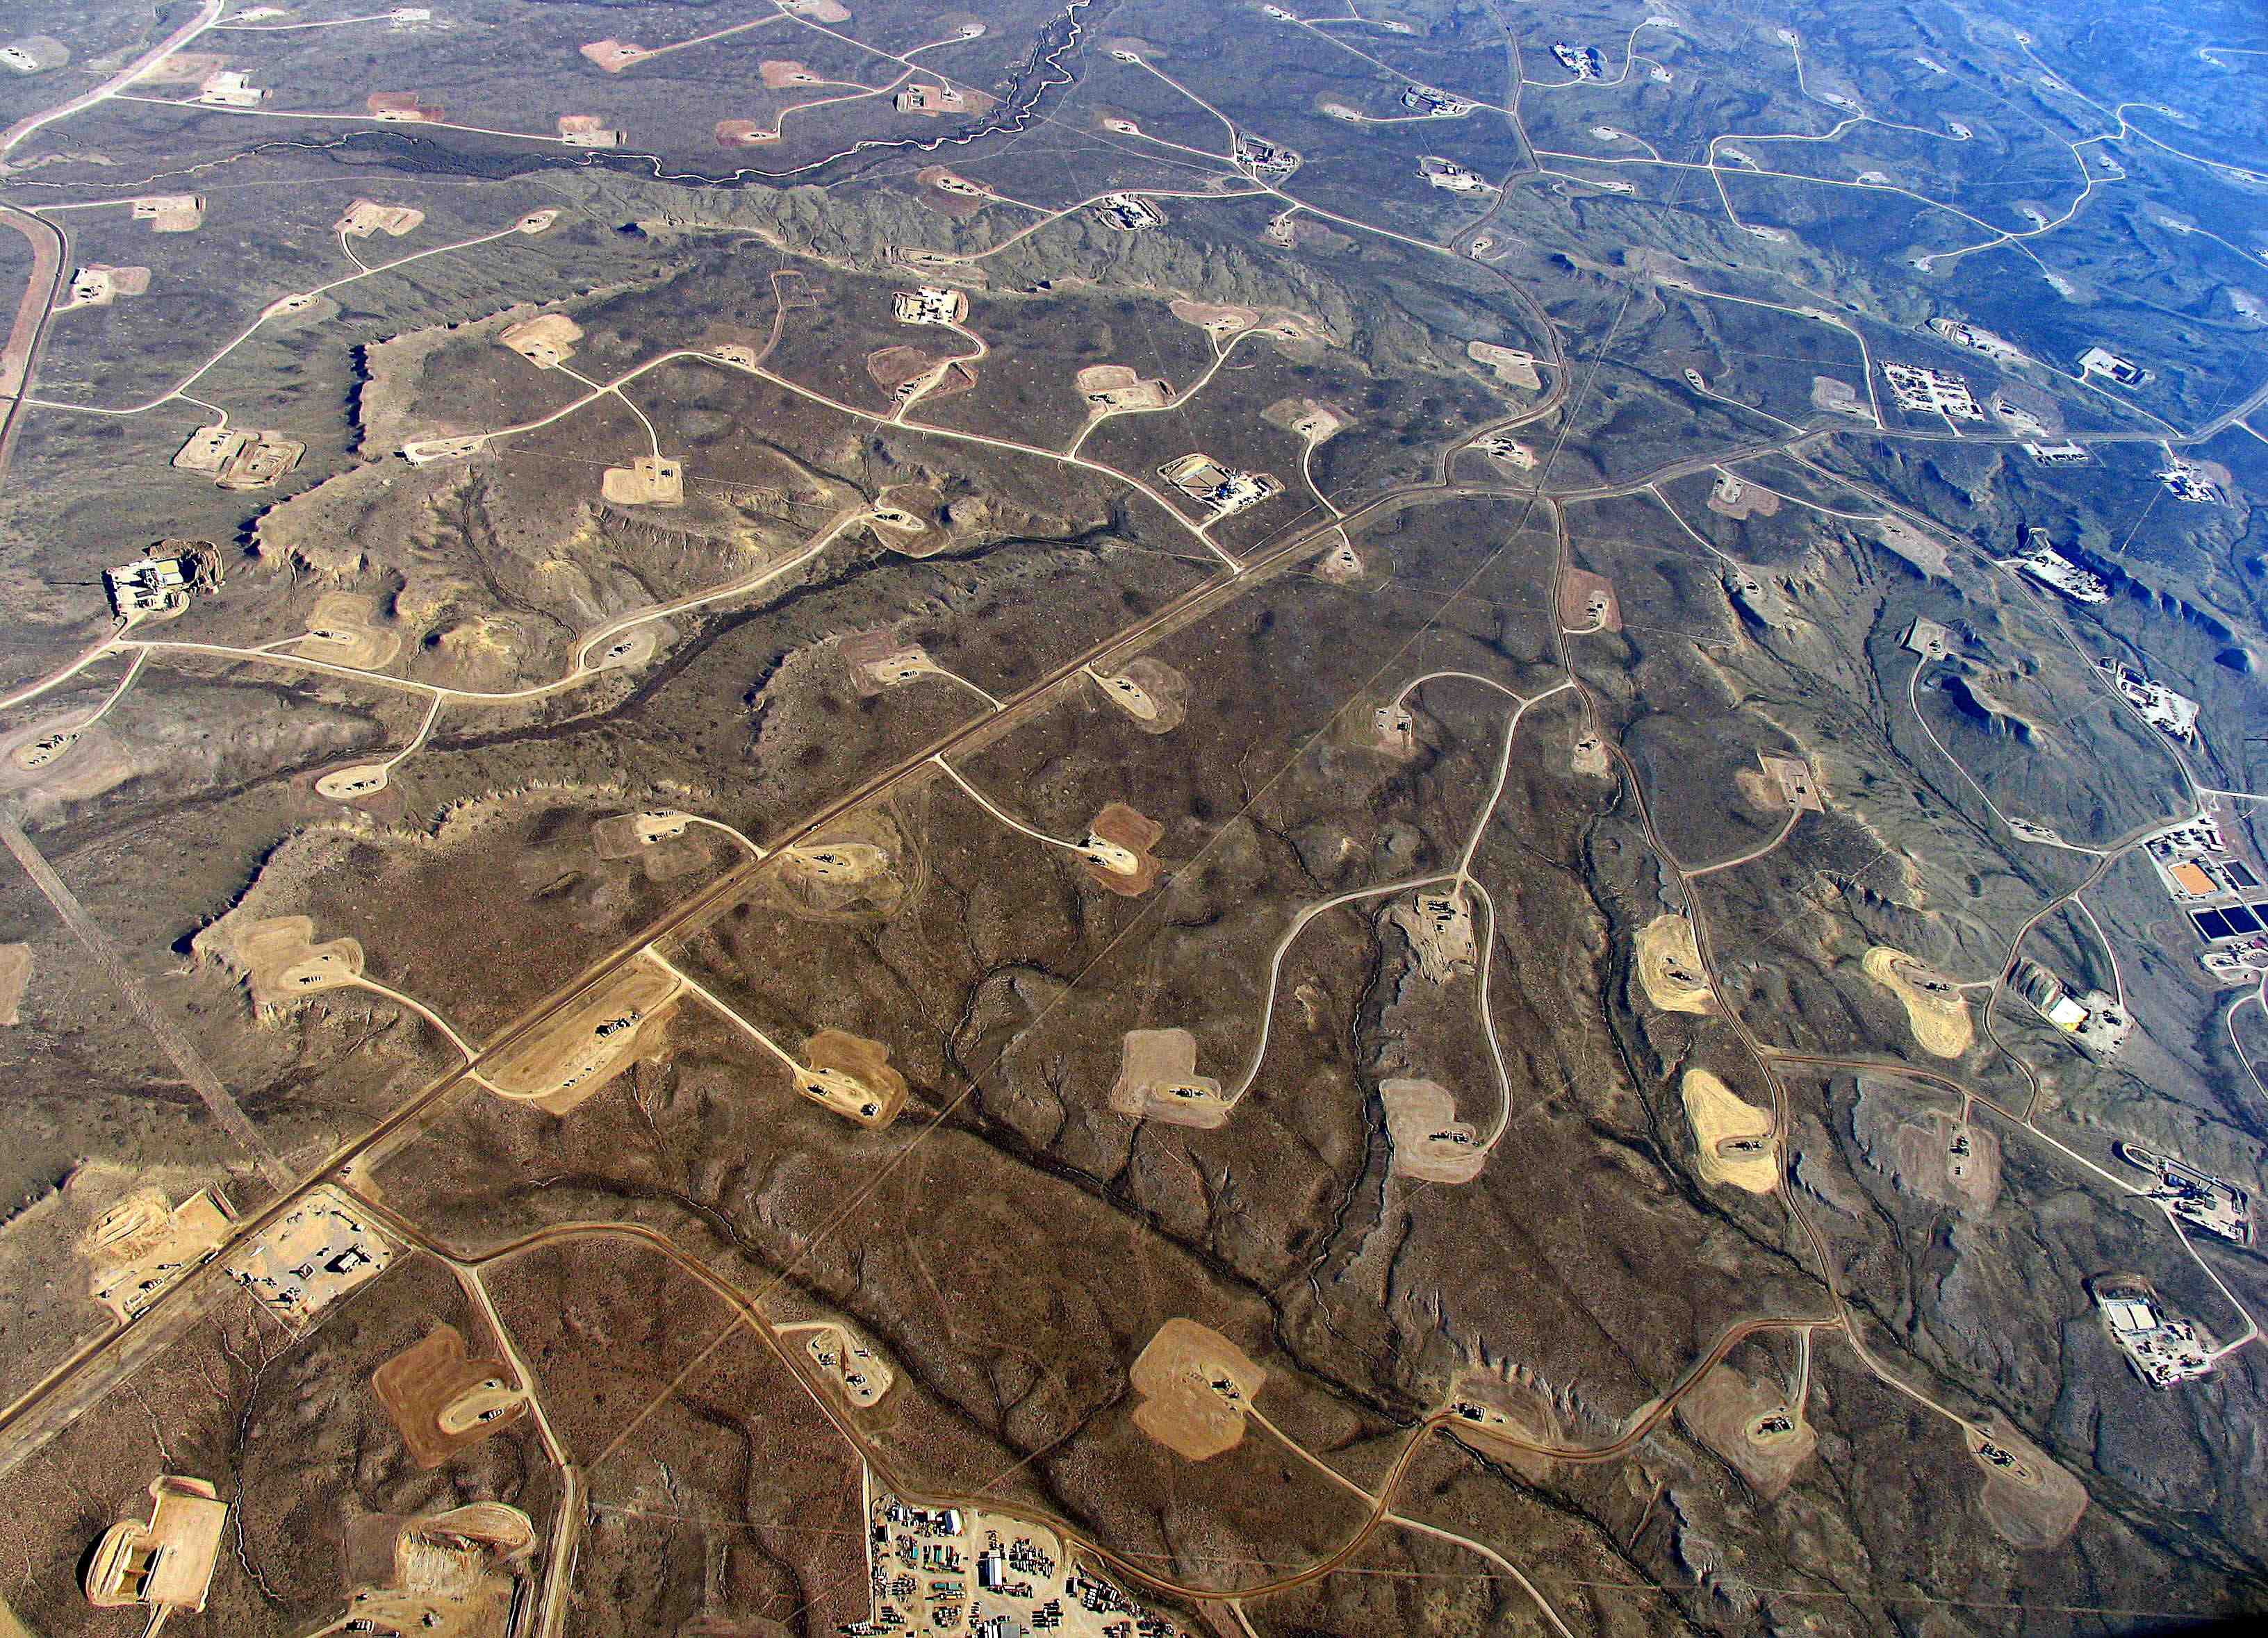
<point x="1128" y="829"/>
<point x="451" y="1573"/>
<point x="1759" y="600"/>
<point x="15" y="973"/>
<point x="1509" y="365"/>
<point x="855" y="1371"/>
<point x="1341" y="565"/>
<point x="2029" y="1500"/>
<point x="1195" y="1387"/>
<point x="951" y="193"/>
<point x="1429" y="1141"/>
<point x="1793" y="778"/>
<point x="1121" y="386"/>
<point x="1389" y="727"/>
<point x="1758" y="790"/>
<point x="544" y="340"/>
<point x="64" y="761"/>
<point x="343" y="630"/>
<point x="899" y="365"/>
<point x="1917" y="548"/>
<point x="1936" y="1010"/>
<point x="1158" y="1080"/>
<point x="1737" y="498"/>
<point x="170" y="213"/>
<point x="1438" y="924"/>
<point x="663" y="842"/>
<point x="145" y="1242"/>
<point x="859" y="868"/>
<point x="852" y="1077"/>
<point x="909" y="518"/>
<point x="615" y="56"/>
<point x="1306" y="418"/>
<point x="1750" y="1425"/>
<point x="1588" y="602"/>
<point x="649" y="480"/>
<point x="1735" y="1138"/>
<point x="1151" y="692"/>
<point x="443" y="1401"/>
<point x="182" y="68"/>
<point x="1948" y="1162"/>
<point x="1829" y="393"/>
<point x="877" y="661"/>
<point x="779" y="73"/>
<point x="279" y="957"/>
<point x="589" y="1042"/>
<point x="954" y="379"/>
<point x="1214" y="317"/>
<point x="403" y="106"/>
<point x="1669" y="965"/>
<point x="1502" y="1414"/>
<point x="367" y="217"/>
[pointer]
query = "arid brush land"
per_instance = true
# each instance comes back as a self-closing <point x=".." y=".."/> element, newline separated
<point x="1157" y="818"/>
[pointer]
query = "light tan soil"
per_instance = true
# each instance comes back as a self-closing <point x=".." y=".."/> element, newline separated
<point x="1741" y="1421"/>
<point x="1735" y="1138"/>
<point x="1927" y="1164"/>
<point x="1588" y="603"/>
<point x="1150" y="691"/>
<point x="1136" y="834"/>
<point x="1737" y="498"/>
<point x="279" y="958"/>
<point x="1158" y="1081"/>
<point x="418" y="1384"/>
<point x="566" y="1060"/>
<point x="852" y="1077"/>
<point x="15" y="973"/>
<point x="1669" y="965"/>
<point x="1195" y="1385"/>
<point x="1936" y="1012"/>
<point x="1306" y="418"/>
<point x="2029" y="1500"/>
<point x="1438" y="922"/>
<point x="343" y="630"/>
<point x="1509" y="365"/>
<point x="1429" y="1141"/>
<point x="548" y="337"/>
<point x="1497" y="1412"/>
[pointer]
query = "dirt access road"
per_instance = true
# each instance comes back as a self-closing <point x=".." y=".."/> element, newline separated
<point x="31" y="326"/>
